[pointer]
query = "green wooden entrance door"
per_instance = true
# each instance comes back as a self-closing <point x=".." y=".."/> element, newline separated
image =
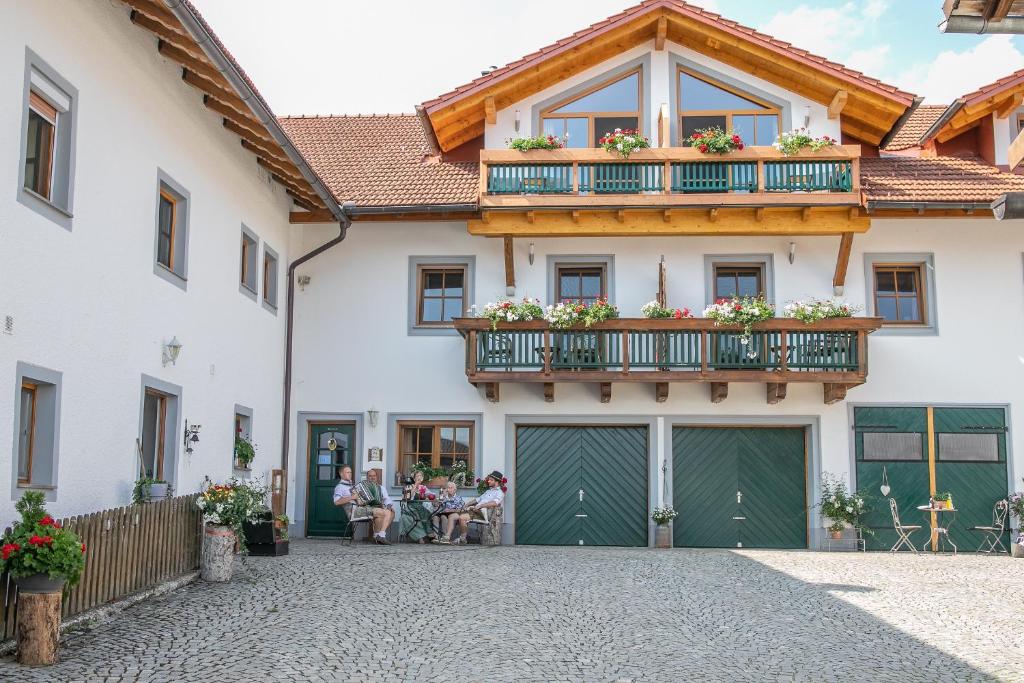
<point x="581" y="486"/>
<point x="330" y="447"/>
<point x="739" y="487"/>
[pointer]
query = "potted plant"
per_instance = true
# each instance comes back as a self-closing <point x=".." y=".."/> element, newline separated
<point x="572" y="313"/>
<point x="226" y="507"/>
<point x="839" y="505"/>
<point x="813" y="310"/>
<point x="536" y="142"/>
<point x="435" y="477"/>
<point x="44" y="559"/>
<point x="624" y="141"/>
<point x="653" y="310"/>
<point x="1016" y="501"/>
<point x="795" y="140"/>
<point x="506" y="310"/>
<point x="744" y="311"/>
<point x="245" y="452"/>
<point x="714" y="141"/>
<point x="663" y="517"/>
<point x="942" y="500"/>
<point x="266" y="535"/>
<point x="148" y="490"/>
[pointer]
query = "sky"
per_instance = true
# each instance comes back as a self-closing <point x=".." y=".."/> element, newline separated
<point x="386" y="56"/>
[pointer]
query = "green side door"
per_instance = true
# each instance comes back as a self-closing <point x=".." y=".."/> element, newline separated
<point x="330" y="447"/>
<point x="739" y="487"/>
<point x="581" y="485"/>
<point x="970" y="464"/>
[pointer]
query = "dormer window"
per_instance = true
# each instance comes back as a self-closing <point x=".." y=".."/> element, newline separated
<point x="704" y="103"/>
<point x="588" y="116"/>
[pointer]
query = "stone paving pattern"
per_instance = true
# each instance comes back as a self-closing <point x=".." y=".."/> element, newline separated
<point x="414" y="613"/>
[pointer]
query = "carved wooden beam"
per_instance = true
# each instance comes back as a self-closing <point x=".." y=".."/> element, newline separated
<point x="776" y="392"/>
<point x="549" y="392"/>
<point x="510" y="264"/>
<point x="842" y="262"/>
<point x="606" y="392"/>
<point x="719" y="391"/>
<point x="492" y="390"/>
<point x="834" y="393"/>
<point x="661" y="392"/>
<point x="660" y="33"/>
<point x="835" y="107"/>
<point x="490" y="111"/>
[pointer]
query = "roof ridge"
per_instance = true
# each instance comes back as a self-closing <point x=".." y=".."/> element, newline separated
<point x="347" y="116"/>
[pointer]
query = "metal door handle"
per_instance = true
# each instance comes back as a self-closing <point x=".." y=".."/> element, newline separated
<point x="581" y="515"/>
<point x="581" y="495"/>
<point x="739" y="498"/>
<point x="739" y="517"/>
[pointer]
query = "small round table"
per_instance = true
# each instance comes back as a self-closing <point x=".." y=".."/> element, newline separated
<point x="939" y="529"/>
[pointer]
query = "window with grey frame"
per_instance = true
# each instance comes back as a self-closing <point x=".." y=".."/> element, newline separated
<point x="441" y="294"/>
<point x="738" y="280"/>
<point x="249" y="258"/>
<point x="584" y="282"/>
<point x="171" y="229"/>
<point x="48" y="141"/>
<point x="270" y="266"/>
<point x="36" y="427"/>
<point x="899" y="293"/>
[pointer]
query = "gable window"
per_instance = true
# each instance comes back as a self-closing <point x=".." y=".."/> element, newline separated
<point x="42" y="126"/>
<point x="442" y="294"/>
<point x="738" y="279"/>
<point x="438" y="444"/>
<point x="899" y="295"/>
<point x="171" y="248"/>
<point x="705" y="103"/>
<point x="585" y="283"/>
<point x="589" y="116"/>
<point x="249" y="258"/>
<point x="269" y="278"/>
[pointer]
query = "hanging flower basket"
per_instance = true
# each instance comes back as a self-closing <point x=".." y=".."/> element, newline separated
<point x="624" y="141"/>
<point x="714" y="141"/>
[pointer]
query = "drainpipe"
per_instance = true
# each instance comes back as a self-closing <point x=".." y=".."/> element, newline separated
<point x="343" y="226"/>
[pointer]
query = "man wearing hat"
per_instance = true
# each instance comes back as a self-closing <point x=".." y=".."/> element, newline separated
<point x="493" y="497"/>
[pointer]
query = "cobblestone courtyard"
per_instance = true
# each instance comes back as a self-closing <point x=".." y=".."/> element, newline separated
<point x="413" y="613"/>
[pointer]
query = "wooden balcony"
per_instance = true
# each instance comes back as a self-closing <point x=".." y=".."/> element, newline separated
<point x="660" y="352"/>
<point x="669" y="177"/>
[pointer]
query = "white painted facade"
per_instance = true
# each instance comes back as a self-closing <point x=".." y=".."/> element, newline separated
<point x="86" y="303"/>
<point x="976" y="357"/>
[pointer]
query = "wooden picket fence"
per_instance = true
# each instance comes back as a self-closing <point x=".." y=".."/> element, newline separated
<point x="128" y="549"/>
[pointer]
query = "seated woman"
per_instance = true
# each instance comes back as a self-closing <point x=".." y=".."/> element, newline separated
<point x="449" y="506"/>
<point x="415" y="523"/>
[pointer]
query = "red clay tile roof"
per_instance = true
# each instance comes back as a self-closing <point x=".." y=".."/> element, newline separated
<point x="1005" y="83"/>
<point x="910" y="133"/>
<point x="380" y="160"/>
<point x="934" y="179"/>
<point x="679" y="6"/>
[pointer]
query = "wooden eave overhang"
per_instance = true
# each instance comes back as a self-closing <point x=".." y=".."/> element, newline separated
<point x="869" y="114"/>
<point x="182" y="37"/>
<point x="983" y="16"/>
<point x="967" y="112"/>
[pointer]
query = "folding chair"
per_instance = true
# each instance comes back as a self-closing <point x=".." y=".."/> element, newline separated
<point x="993" y="535"/>
<point x="351" y="520"/>
<point x="904" y="530"/>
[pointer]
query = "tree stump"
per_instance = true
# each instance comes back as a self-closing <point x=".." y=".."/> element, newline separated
<point x="490" y="533"/>
<point x="38" y="628"/>
<point x="218" y="554"/>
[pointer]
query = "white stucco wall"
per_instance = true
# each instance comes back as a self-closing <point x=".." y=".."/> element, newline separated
<point x="86" y="302"/>
<point x="661" y="74"/>
<point x="361" y="355"/>
<point x="1005" y="130"/>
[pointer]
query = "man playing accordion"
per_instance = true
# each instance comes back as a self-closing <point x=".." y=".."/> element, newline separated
<point x="370" y="500"/>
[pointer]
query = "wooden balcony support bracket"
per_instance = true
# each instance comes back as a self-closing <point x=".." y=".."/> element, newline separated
<point x="834" y="393"/>
<point x="490" y="111"/>
<point x="531" y="217"/>
<point x="606" y="392"/>
<point x="713" y="215"/>
<point x="492" y="390"/>
<point x="719" y="391"/>
<point x="485" y="216"/>
<point x="1010" y="105"/>
<point x="549" y="392"/>
<point x="776" y="392"/>
<point x="620" y="215"/>
<point x="835" y="107"/>
<point x="666" y="215"/>
<point x="842" y="263"/>
<point x="660" y="33"/>
<point x="575" y="217"/>
<point x="759" y="214"/>
<point x="805" y="214"/>
<point x="510" y="266"/>
<point x="661" y="392"/>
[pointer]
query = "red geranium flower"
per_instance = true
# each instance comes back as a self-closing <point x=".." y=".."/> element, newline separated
<point x="47" y="520"/>
<point x="504" y="489"/>
<point x="504" y="480"/>
<point x="686" y="312"/>
<point x="678" y="314"/>
<point x="48" y="540"/>
<point x="738" y="307"/>
<point x="740" y="146"/>
<point x="9" y="549"/>
<point x="83" y="548"/>
<point x="56" y="525"/>
<point x="704" y="149"/>
<point x="430" y="496"/>
<point x="736" y="139"/>
<point x="35" y="540"/>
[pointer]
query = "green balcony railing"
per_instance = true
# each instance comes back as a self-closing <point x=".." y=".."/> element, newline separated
<point x="621" y="178"/>
<point x="823" y="351"/>
<point x="665" y="349"/>
<point x="714" y="176"/>
<point x="529" y="178"/>
<point x="808" y="176"/>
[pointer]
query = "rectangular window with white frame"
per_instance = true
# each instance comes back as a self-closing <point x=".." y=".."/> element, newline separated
<point x="48" y="141"/>
<point x="172" y="225"/>
<point x="248" y="263"/>
<point x="36" y="429"/>
<point x="270" y="275"/>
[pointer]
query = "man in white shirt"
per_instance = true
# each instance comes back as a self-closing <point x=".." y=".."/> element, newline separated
<point x="493" y="497"/>
<point x="382" y="508"/>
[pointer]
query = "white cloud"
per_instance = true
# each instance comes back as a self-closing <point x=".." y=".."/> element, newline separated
<point x="818" y="29"/>
<point x="874" y="9"/>
<point x="952" y="74"/>
<point x="871" y="61"/>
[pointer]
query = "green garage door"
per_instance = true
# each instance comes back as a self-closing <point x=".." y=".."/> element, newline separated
<point x="581" y="486"/>
<point x="969" y="461"/>
<point x="739" y="487"/>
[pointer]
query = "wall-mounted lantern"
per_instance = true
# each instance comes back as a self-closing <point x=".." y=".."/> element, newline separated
<point x="191" y="436"/>
<point x="171" y="351"/>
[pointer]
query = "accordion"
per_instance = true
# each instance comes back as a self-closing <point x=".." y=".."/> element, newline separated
<point x="368" y="494"/>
